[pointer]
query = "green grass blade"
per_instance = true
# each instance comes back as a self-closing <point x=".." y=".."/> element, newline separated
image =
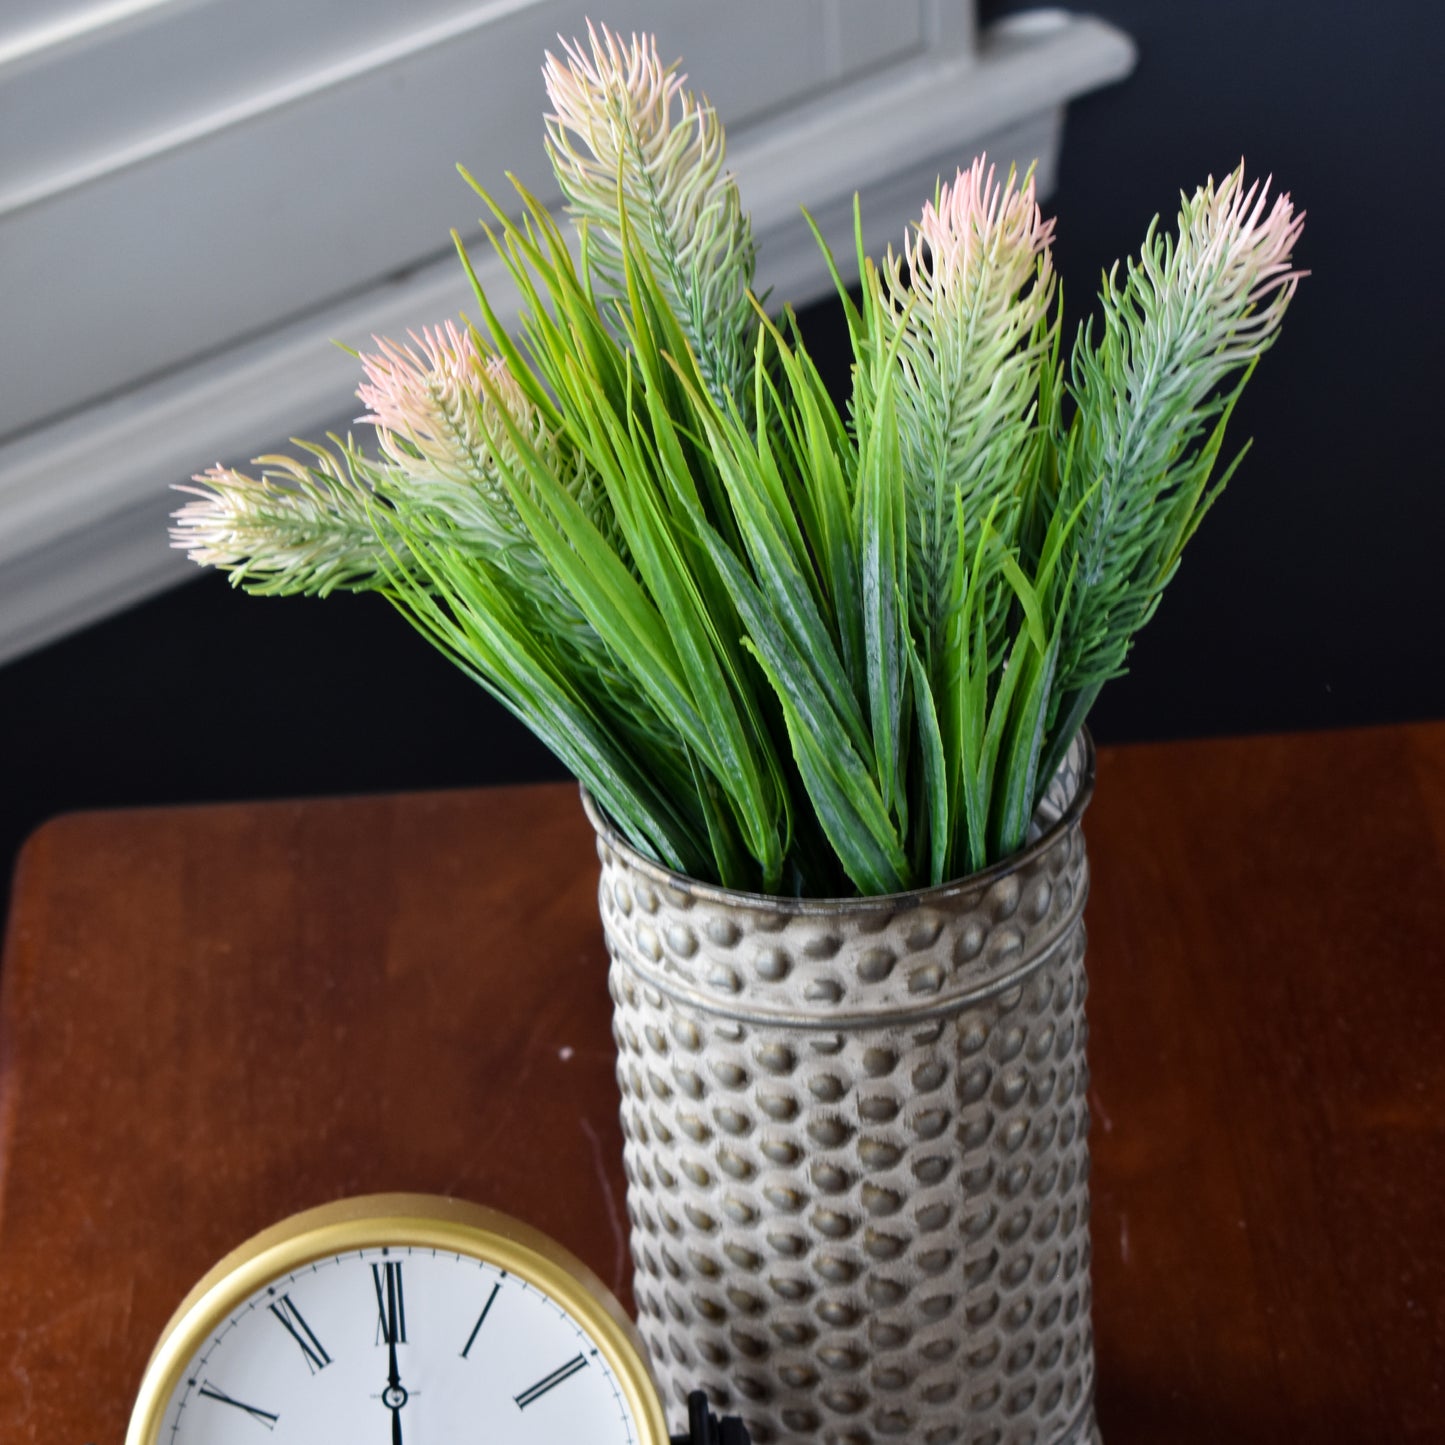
<point x="935" y="770"/>
<point x="844" y="798"/>
<point x="883" y="538"/>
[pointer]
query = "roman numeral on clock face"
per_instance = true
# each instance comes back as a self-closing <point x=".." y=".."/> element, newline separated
<point x="263" y="1417"/>
<point x="301" y="1332"/>
<point x="562" y="1372"/>
<point x="390" y="1304"/>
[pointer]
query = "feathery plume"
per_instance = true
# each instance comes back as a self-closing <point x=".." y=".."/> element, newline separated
<point x="623" y="124"/>
<point x="973" y="315"/>
<point x="293" y="529"/>
<point x="437" y="406"/>
<point x="1189" y="316"/>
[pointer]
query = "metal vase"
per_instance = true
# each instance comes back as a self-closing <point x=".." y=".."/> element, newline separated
<point x="856" y="1145"/>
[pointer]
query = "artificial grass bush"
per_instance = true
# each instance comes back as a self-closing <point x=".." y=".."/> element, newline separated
<point x="787" y="649"/>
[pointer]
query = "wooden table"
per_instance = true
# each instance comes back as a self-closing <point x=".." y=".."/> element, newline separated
<point x="215" y="1016"/>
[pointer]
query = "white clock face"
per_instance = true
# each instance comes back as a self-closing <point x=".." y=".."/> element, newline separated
<point x="404" y="1345"/>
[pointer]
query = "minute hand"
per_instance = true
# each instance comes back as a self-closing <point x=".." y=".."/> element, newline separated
<point x="394" y="1396"/>
<point x="390" y="1307"/>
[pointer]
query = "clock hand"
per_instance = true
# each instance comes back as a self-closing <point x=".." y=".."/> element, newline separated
<point x="395" y="1395"/>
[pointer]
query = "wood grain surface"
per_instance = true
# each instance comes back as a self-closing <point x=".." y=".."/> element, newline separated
<point x="212" y="1017"/>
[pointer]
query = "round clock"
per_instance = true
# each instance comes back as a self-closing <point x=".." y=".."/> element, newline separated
<point x="398" y="1318"/>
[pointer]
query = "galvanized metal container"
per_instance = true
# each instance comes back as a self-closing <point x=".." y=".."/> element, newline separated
<point x="856" y="1145"/>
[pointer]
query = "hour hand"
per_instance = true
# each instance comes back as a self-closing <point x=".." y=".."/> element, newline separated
<point x="390" y="1308"/>
<point x="391" y="1313"/>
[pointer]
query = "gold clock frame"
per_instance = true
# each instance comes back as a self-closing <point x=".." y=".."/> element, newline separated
<point x="419" y="1221"/>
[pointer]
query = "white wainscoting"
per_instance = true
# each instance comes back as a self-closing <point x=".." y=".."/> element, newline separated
<point x="198" y="196"/>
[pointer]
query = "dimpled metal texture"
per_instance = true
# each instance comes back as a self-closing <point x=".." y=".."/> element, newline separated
<point x="856" y="1146"/>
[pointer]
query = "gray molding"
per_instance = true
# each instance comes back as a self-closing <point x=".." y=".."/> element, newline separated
<point x="84" y="500"/>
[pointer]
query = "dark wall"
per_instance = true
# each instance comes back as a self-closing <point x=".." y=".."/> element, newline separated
<point x="1309" y="599"/>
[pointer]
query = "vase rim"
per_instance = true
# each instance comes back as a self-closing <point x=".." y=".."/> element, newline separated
<point x="661" y="874"/>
